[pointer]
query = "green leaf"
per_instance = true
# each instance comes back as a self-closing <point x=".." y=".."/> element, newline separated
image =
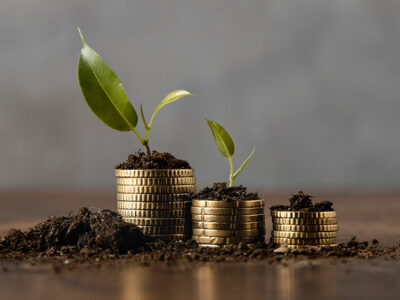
<point x="222" y="139"/>
<point x="103" y="91"/>
<point x="244" y="164"/>
<point x="171" y="97"/>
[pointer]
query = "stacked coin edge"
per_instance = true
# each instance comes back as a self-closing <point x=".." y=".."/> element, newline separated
<point x="296" y="229"/>
<point x="218" y="223"/>
<point x="154" y="200"/>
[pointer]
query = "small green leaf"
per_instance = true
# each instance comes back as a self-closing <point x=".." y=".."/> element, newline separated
<point x="244" y="164"/>
<point x="171" y="97"/>
<point x="103" y="91"/>
<point x="222" y="139"/>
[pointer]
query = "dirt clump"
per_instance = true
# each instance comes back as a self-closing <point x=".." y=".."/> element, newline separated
<point x="84" y="231"/>
<point x="303" y="202"/>
<point x="157" y="160"/>
<point x="221" y="191"/>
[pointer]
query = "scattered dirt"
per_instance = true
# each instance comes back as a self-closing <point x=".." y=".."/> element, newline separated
<point x="303" y="202"/>
<point x="85" y="231"/>
<point x="98" y="238"/>
<point x="157" y="160"/>
<point x="221" y="191"/>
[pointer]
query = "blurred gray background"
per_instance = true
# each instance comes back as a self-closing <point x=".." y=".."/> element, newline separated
<point x="313" y="84"/>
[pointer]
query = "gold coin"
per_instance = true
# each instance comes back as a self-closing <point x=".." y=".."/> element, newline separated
<point x="304" y="235"/>
<point x="127" y="189"/>
<point x="290" y="221"/>
<point x="212" y="240"/>
<point x="288" y="241"/>
<point x="228" y="226"/>
<point x="147" y="173"/>
<point x="150" y="205"/>
<point x="151" y="197"/>
<point x="227" y="204"/>
<point x="156" y="181"/>
<point x="134" y="213"/>
<point x="228" y="219"/>
<point x="228" y="233"/>
<point x="227" y="211"/>
<point x="310" y="246"/>
<point x="168" y="237"/>
<point x="222" y="246"/>
<point x="156" y="221"/>
<point x="162" y="229"/>
<point x="303" y="214"/>
<point x="305" y="228"/>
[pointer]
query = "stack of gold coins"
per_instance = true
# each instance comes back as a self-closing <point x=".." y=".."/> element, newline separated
<point x="154" y="200"/>
<point x="217" y="223"/>
<point x="302" y="228"/>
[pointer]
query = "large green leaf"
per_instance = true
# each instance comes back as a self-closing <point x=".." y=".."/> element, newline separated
<point x="103" y="91"/>
<point x="222" y="139"/>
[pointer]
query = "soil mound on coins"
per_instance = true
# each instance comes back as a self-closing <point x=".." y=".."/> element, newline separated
<point x="157" y="160"/>
<point x="303" y="202"/>
<point x="221" y="191"/>
<point x="84" y="231"/>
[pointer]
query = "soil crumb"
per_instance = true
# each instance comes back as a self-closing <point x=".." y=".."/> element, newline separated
<point x="221" y="191"/>
<point x="303" y="202"/>
<point x="157" y="160"/>
<point x="82" y="232"/>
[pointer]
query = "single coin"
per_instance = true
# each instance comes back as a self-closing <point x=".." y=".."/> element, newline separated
<point x="212" y="240"/>
<point x="162" y="229"/>
<point x="156" y="181"/>
<point x="151" y="197"/>
<point x="305" y="228"/>
<point x="302" y="214"/>
<point x="168" y="237"/>
<point x="127" y="189"/>
<point x="228" y="233"/>
<point x="223" y="246"/>
<point x="156" y="221"/>
<point x="304" y="235"/>
<point x="288" y="241"/>
<point x="150" y="205"/>
<point x="228" y="219"/>
<point x="228" y="204"/>
<point x="227" y="211"/>
<point x="310" y="246"/>
<point x="154" y="173"/>
<point x="151" y="213"/>
<point x="228" y="226"/>
<point x="308" y="221"/>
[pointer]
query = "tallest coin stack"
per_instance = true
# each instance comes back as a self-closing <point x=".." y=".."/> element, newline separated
<point x="154" y="200"/>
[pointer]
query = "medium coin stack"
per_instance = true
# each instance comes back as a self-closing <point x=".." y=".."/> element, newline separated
<point x="154" y="200"/>
<point x="301" y="228"/>
<point x="217" y="223"/>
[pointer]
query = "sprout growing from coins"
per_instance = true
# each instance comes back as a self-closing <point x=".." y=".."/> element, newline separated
<point x="106" y="96"/>
<point x="226" y="147"/>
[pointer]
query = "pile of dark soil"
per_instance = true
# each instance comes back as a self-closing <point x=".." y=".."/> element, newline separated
<point x="83" y="232"/>
<point x="303" y="202"/>
<point x="221" y="191"/>
<point x="157" y="160"/>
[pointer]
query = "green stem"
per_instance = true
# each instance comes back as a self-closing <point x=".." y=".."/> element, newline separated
<point x="144" y="142"/>
<point x="231" y="179"/>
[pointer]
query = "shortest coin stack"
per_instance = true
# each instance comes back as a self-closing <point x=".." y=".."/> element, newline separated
<point x="304" y="228"/>
<point x="154" y="200"/>
<point x="217" y="223"/>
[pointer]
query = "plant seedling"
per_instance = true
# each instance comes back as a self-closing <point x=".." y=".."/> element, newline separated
<point x="226" y="147"/>
<point x="106" y="97"/>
